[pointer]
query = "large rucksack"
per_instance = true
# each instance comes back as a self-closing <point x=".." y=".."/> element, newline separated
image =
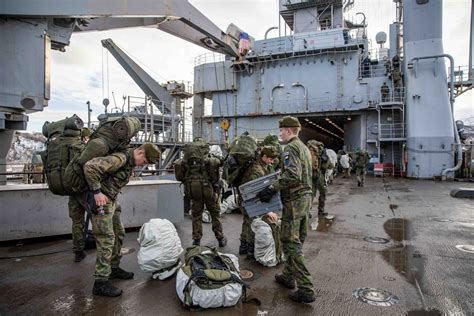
<point x="197" y="170"/>
<point x="242" y="153"/>
<point x="113" y="135"/>
<point x="65" y="154"/>
<point x="209" y="279"/>
<point x="62" y="145"/>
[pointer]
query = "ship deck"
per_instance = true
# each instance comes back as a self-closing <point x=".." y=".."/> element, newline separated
<point x="420" y="264"/>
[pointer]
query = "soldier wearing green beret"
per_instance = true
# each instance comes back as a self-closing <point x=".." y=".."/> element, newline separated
<point x="296" y="193"/>
<point x="259" y="168"/>
<point x="106" y="176"/>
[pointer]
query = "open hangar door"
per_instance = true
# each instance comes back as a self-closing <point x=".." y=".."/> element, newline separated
<point x="326" y="129"/>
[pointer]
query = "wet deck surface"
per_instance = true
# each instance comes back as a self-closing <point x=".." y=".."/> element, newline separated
<point x="420" y="263"/>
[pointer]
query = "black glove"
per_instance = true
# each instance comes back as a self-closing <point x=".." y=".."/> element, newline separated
<point x="266" y="194"/>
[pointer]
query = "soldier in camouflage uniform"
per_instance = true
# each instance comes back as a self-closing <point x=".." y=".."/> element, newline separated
<point x="320" y="167"/>
<point x="77" y="210"/>
<point x="295" y="187"/>
<point x="259" y="168"/>
<point x="361" y="162"/>
<point x="212" y="205"/>
<point x="106" y="176"/>
<point x="272" y="140"/>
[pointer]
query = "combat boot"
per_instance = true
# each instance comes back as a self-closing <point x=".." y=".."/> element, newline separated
<point x="243" y="247"/>
<point x="358" y="183"/>
<point x="196" y="242"/>
<point x="290" y="284"/>
<point x="121" y="274"/>
<point x="322" y="213"/>
<point x="105" y="288"/>
<point x="250" y="251"/>
<point x="302" y="297"/>
<point x="222" y="242"/>
<point x="79" y="255"/>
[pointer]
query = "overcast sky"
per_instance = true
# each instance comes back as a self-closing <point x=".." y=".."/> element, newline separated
<point x="77" y="74"/>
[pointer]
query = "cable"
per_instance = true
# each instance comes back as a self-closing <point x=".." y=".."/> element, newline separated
<point x="142" y="64"/>
<point x="35" y="255"/>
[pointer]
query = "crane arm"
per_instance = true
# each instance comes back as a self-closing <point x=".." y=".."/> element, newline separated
<point x="140" y="76"/>
<point x="177" y="17"/>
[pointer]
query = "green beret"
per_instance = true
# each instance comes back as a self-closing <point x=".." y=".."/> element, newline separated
<point x="289" y="121"/>
<point x="198" y="139"/>
<point x="269" y="151"/>
<point x="152" y="153"/>
<point x="85" y="132"/>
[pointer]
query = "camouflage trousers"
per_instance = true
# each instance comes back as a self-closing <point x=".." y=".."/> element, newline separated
<point x="360" y="173"/>
<point x="77" y="210"/>
<point x="319" y="184"/>
<point x="109" y="234"/>
<point x="346" y="172"/>
<point x="212" y="205"/>
<point x="276" y="236"/>
<point x="294" y="226"/>
<point x="247" y="235"/>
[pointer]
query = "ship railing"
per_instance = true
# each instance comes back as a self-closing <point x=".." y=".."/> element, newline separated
<point x="461" y="74"/>
<point x="24" y="172"/>
<point x="368" y="69"/>
<point x="388" y="131"/>
<point x="186" y="85"/>
<point x="396" y="95"/>
<point x="208" y="58"/>
<point x="155" y="126"/>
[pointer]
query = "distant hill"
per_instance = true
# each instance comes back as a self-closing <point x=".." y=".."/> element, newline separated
<point x="24" y="145"/>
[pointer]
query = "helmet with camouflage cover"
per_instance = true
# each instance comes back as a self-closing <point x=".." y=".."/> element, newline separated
<point x="269" y="151"/>
<point x="271" y="140"/>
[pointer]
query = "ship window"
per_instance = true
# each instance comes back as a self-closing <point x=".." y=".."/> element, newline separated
<point x="325" y="24"/>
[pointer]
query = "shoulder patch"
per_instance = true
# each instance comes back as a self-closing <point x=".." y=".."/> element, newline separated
<point x="285" y="156"/>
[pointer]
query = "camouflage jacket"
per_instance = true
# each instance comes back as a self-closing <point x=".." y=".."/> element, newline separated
<point x="362" y="159"/>
<point x="257" y="169"/>
<point x="296" y="171"/>
<point x="109" y="174"/>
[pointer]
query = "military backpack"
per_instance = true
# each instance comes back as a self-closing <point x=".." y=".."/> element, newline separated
<point x="65" y="154"/>
<point x="62" y="145"/>
<point x="242" y="154"/>
<point x="208" y="269"/>
<point x="198" y="171"/>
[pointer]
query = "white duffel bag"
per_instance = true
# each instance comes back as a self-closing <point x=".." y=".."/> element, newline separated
<point x="160" y="248"/>
<point x="265" y="249"/>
